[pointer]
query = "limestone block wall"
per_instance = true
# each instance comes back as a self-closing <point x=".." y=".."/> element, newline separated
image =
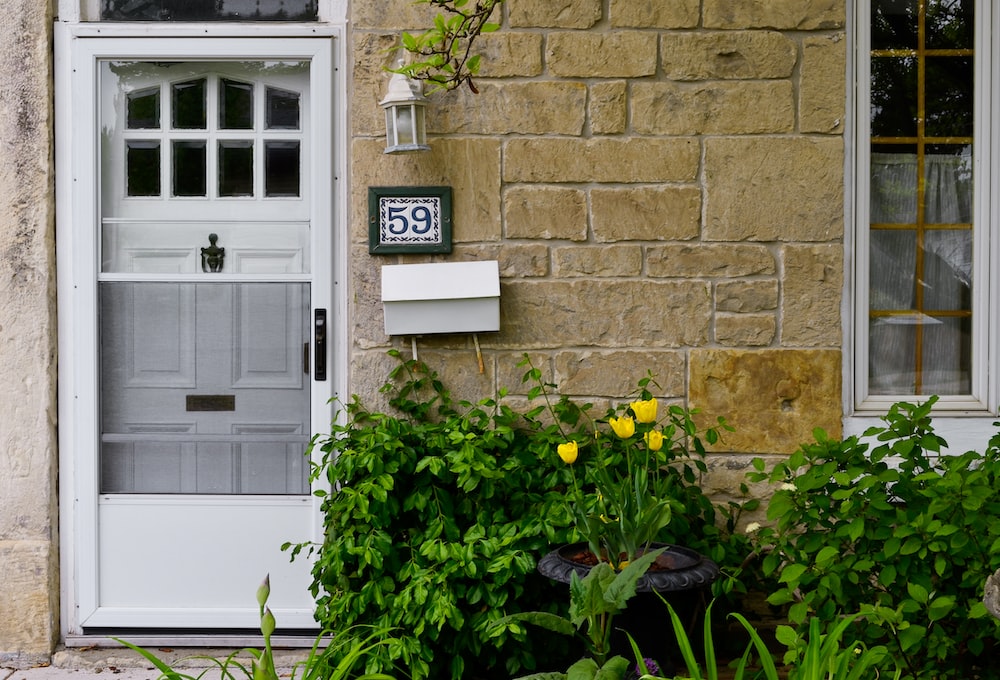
<point x="663" y="185"/>
<point x="28" y="542"/>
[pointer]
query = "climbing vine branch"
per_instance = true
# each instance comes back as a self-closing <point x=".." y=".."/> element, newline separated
<point x="442" y="56"/>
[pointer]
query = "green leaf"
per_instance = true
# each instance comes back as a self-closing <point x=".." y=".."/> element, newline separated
<point x="614" y="668"/>
<point x="792" y="573"/>
<point x="940" y="607"/>
<point x="917" y="592"/>
<point x="826" y="556"/>
<point x="584" y="669"/>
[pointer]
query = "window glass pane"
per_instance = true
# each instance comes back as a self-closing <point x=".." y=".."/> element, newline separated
<point x="894" y="24"/>
<point x="894" y="97"/>
<point x="949" y="85"/>
<point x="142" y="168"/>
<point x="948" y="184"/>
<point x="947" y="279"/>
<point x="892" y="275"/>
<point x="893" y="184"/>
<point x="188" y="101"/>
<point x="144" y="109"/>
<point x="946" y="349"/>
<point x="893" y="339"/>
<point x="282" y="109"/>
<point x="209" y="10"/>
<point x="949" y="24"/>
<point x="235" y="105"/>
<point x="189" y="168"/>
<point x="281" y="168"/>
<point x="236" y="168"/>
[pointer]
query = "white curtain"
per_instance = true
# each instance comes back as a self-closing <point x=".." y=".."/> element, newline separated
<point x="945" y="280"/>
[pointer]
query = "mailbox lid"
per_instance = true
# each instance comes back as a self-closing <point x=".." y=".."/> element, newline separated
<point x="440" y="281"/>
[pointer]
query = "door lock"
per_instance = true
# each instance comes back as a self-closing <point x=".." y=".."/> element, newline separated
<point x="319" y="346"/>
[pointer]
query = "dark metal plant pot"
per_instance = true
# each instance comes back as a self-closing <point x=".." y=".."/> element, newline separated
<point x="676" y="569"/>
<point x="680" y="576"/>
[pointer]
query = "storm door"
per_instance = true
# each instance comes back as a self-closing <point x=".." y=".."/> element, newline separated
<point x="212" y="300"/>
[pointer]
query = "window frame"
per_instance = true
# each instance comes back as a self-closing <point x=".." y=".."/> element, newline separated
<point x="330" y="11"/>
<point x="958" y="414"/>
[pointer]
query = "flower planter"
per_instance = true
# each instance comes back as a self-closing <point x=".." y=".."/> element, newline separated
<point x="678" y="569"/>
<point x="680" y="575"/>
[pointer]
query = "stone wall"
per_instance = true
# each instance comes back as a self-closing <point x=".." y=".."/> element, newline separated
<point x="28" y="543"/>
<point x="663" y="185"/>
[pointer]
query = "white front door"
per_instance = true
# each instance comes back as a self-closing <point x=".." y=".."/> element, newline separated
<point x="209" y="286"/>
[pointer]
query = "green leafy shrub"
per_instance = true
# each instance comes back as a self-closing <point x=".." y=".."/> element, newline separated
<point x="439" y="515"/>
<point x="896" y="532"/>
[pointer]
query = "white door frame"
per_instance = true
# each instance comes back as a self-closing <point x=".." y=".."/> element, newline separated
<point x="77" y="50"/>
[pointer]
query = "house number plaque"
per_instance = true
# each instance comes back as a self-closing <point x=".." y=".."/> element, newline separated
<point x="409" y="220"/>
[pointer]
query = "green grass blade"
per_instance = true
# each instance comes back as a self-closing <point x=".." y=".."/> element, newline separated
<point x="766" y="660"/>
<point x="162" y="666"/>
<point x="683" y="643"/>
<point x="710" y="663"/>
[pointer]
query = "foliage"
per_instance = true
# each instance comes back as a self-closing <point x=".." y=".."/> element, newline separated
<point x="639" y="472"/>
<point x="443" y="53"/>
<point x="896" y="531"/>
<point x="816" y="656"/>
<point x="439" y="514"/>
<point x="594" y="600"/>
<point x="333" y="656"/>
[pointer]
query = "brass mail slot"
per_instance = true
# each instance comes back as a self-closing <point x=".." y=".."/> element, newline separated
<point x="211" y="402"/>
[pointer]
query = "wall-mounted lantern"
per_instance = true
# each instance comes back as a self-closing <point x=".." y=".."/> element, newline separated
<point x="404" y="104"/>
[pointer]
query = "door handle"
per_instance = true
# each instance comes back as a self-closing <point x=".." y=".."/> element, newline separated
<point x="319" y="346"/>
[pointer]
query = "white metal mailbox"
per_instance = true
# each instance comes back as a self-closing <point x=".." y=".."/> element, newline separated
<point x="441" y="297"/>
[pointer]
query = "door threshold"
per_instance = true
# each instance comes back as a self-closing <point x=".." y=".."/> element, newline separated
<point x="203" y="641"/>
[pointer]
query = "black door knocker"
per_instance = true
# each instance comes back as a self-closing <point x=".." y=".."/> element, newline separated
<point x="212" y="256"/>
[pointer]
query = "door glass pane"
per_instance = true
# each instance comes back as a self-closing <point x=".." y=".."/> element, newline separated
<point x="188" y="163"/>
<point x="203" y="10"/>
<point x="236" y="168"/>
<point x="235" y="105"/>
<point x="282" y="109"/>
<point x="144" y="109"/>
<point x="281" y="168"/>
<point x="189" y="105"/>
<point x="204" y="387"/>
<point x="921" y="187"/>
<point x="142" y="168"/>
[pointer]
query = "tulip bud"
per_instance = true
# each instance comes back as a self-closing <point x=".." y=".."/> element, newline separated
<point x="654" y="440"/>
<point x="568" y="452"/>
<point x="644" y="410"/>
<point x="624" y="427"/>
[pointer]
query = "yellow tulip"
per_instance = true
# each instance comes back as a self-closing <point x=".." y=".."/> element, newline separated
<point x="654" y="440"/>
<point x="568" y="452"/>
<point x="644" y="410"/>
<point x="624" y="427"/>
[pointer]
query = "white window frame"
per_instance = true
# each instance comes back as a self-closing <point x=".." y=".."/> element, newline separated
<point x="965" y="421"/>
<point x="77" y="263"/>
<point x="331" y="12"/>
